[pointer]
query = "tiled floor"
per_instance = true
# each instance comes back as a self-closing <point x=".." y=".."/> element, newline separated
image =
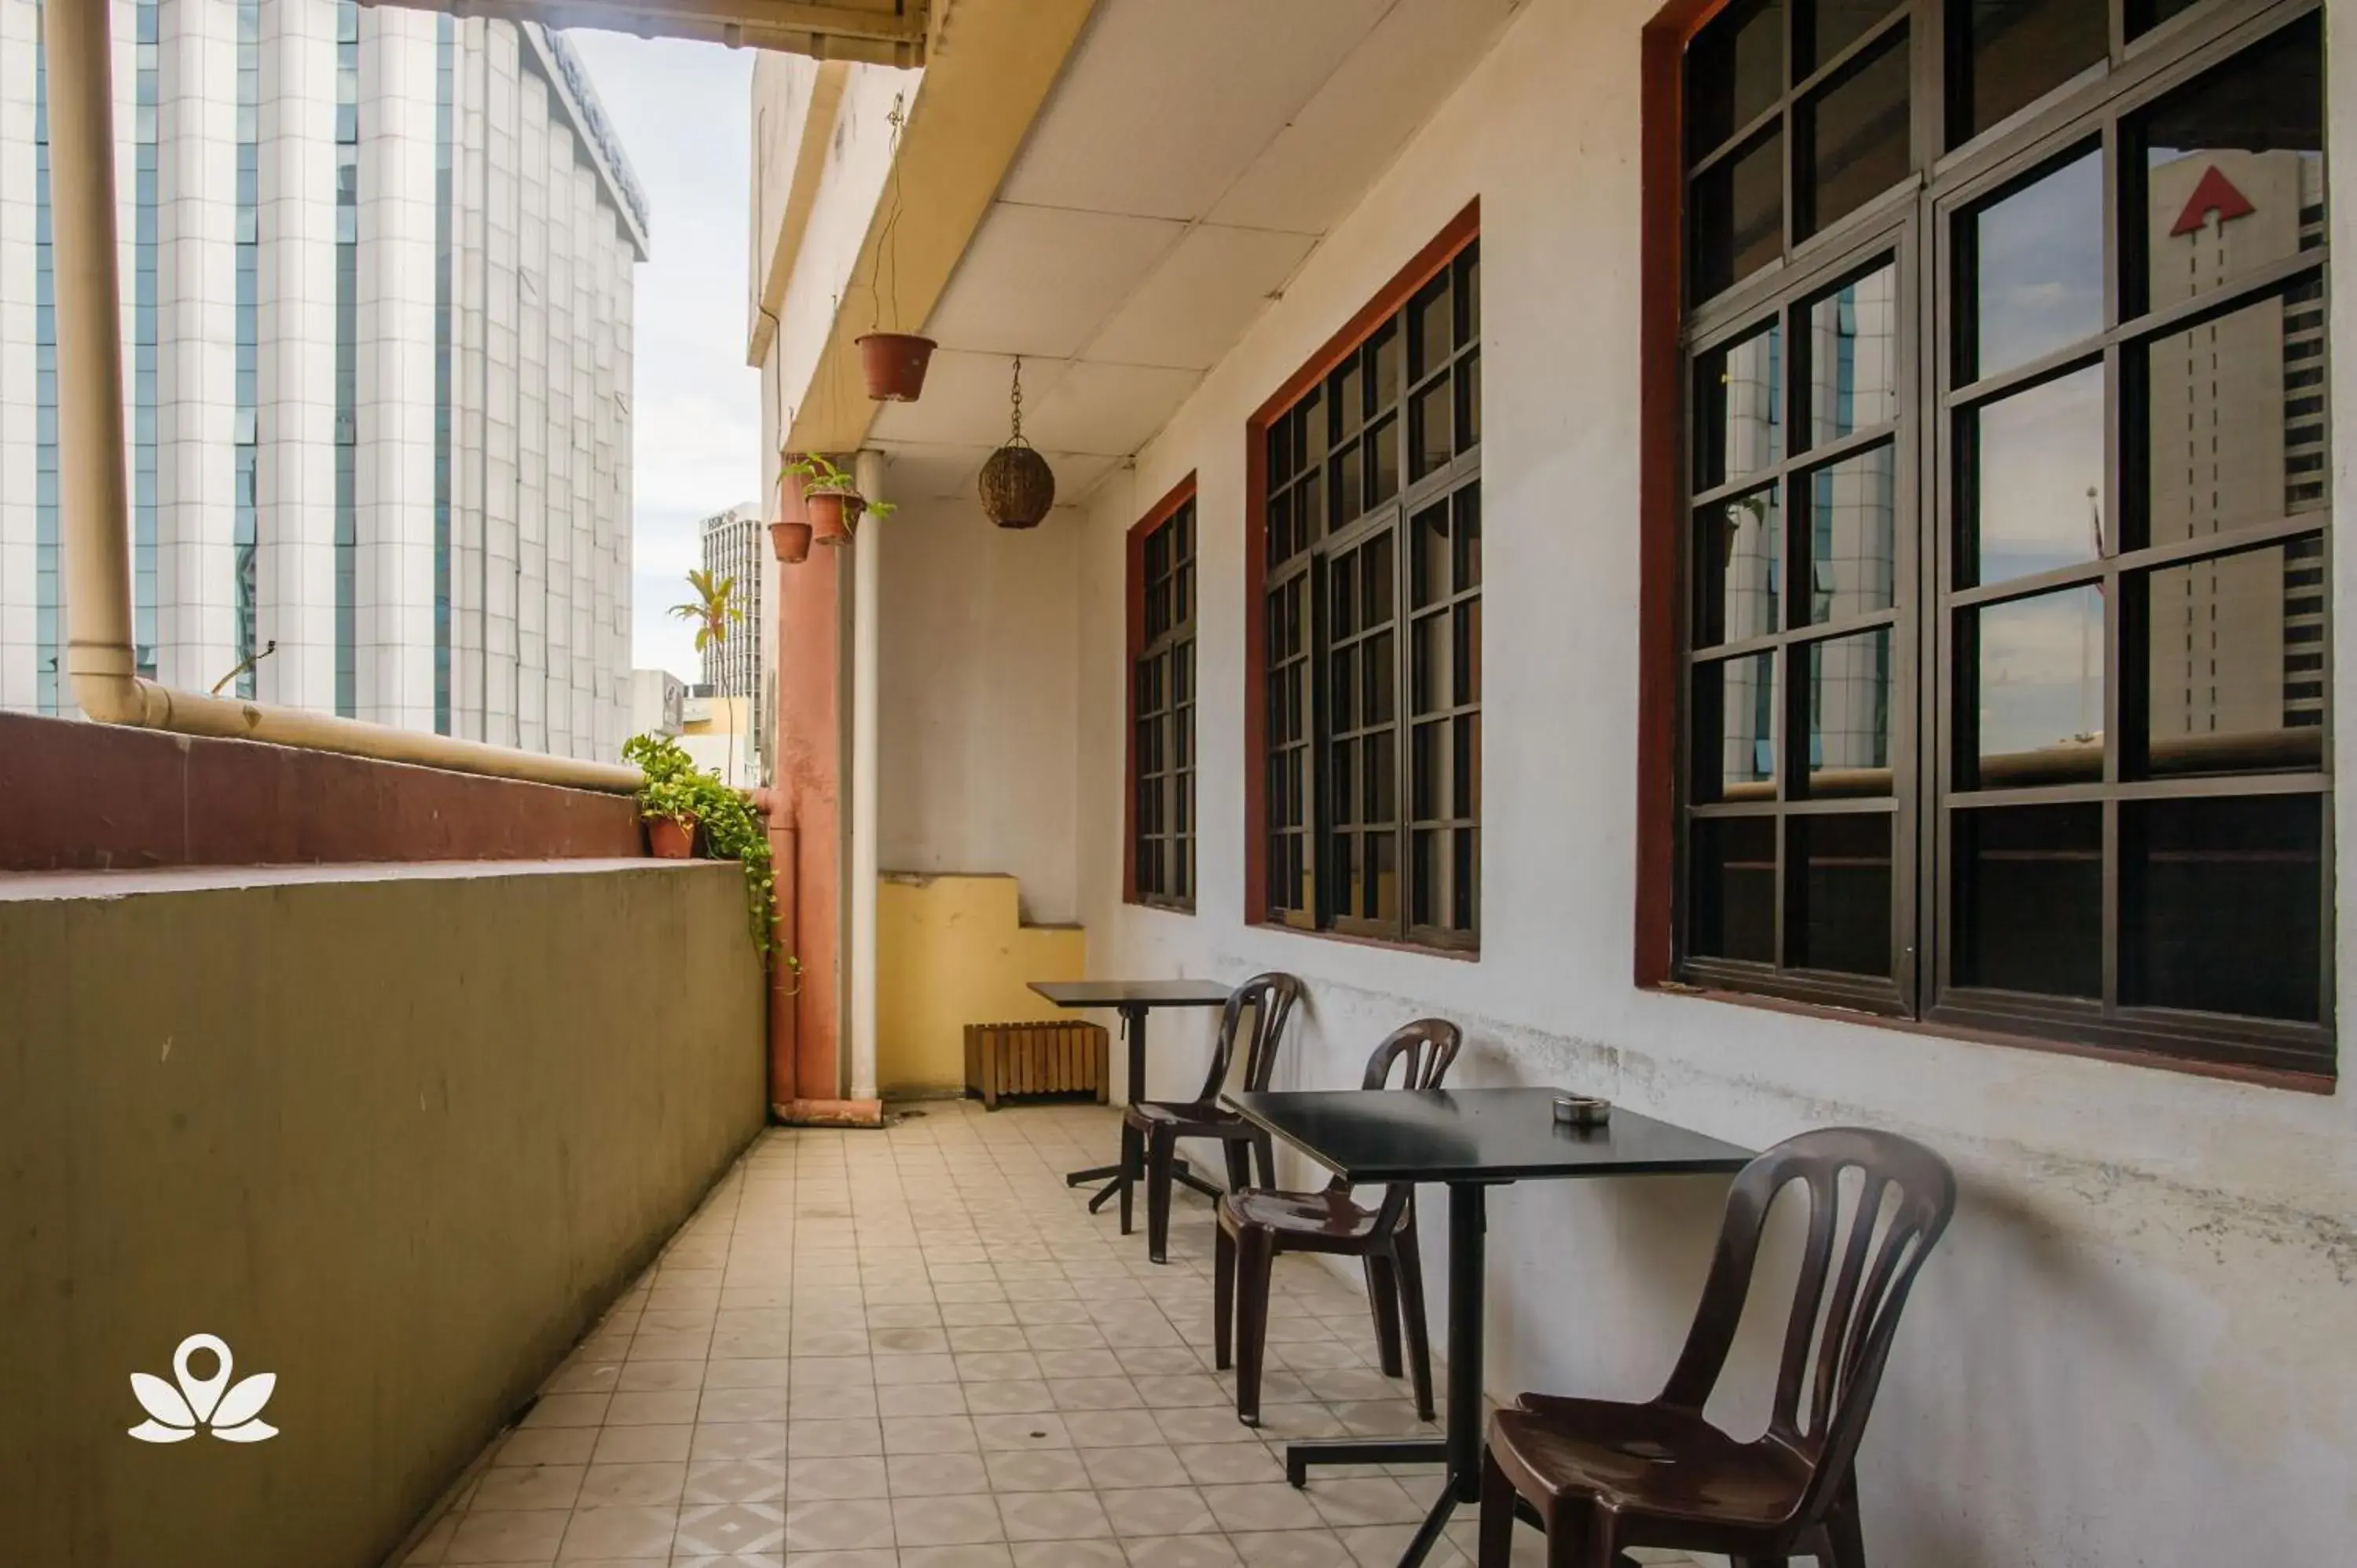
<point x="916" y="1348"/>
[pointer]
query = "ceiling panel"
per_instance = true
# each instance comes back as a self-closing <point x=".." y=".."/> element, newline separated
<point x="1165" y="102"/>
<point x="1108" y="409"/>
<point x="1320" y="165"/>
<point x="1197" y="303"/>
<point x="965" y="398"/>
<point x="1039" y="280"/>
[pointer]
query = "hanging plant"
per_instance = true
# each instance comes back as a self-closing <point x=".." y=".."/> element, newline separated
<point x="893" y="363"/>
<point x="831" y="498"/>
<point x="1017" y="487"/>
<point x="790" y="542"/>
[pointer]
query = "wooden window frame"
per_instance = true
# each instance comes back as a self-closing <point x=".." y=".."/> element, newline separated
<point x="1138" y="647"/>
<point x="1914" y="221"/>
<point x="1388" y="303"/>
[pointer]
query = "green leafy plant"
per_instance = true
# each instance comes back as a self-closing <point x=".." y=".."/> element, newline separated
<point x="678" y="792"/>
<point x="817" y="474"/>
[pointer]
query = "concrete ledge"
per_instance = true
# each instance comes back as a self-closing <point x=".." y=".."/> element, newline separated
<point x="89" y="797"/>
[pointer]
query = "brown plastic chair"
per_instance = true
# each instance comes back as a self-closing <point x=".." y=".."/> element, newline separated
<point x="1151" y="1129"/>
<point x="1255" y="1227"/>
<point x="1604" y="1476"/>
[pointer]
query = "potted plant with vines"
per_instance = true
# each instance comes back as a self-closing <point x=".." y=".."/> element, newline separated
<point x="831" y="498"/>
<point x="683" y="804"/>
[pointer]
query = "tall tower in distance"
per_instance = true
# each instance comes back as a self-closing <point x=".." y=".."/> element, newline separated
<point x="732" y="548"/>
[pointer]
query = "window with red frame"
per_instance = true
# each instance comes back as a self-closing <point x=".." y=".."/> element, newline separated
<point x="1370" y="553"/>
<point x="1162" y="709"/>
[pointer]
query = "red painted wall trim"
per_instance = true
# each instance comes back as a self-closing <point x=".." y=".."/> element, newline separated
<point x="1133" y="644"/>
<point x="90" y="797"/>
<point x="1421" y="268"/>
<point x="1662" y="259"/>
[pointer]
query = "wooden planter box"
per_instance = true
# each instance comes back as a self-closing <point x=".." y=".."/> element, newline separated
<point x="1036" y="1059"/>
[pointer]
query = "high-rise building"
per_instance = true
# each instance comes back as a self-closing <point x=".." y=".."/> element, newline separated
<point x="377" y="335"/>
<point x="733" y="544"/>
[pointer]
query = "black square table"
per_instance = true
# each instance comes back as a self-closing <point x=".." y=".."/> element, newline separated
<point x="1133" y="999"/>
<point x="1469" y="1140"/>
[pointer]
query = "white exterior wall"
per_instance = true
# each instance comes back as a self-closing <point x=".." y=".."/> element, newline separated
<point x="975" y="769"/>
<point x="2133" y="1348"/>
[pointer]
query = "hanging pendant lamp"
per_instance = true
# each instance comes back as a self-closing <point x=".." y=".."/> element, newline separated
<point x="1017" y="487"/>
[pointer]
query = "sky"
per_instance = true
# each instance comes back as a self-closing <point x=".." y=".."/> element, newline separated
<point x="682" y="110"/>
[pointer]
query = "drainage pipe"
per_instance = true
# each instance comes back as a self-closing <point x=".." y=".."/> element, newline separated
<point x="93" y="491"/>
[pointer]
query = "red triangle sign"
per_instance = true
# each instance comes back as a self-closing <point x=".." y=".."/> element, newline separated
<point x="2214" y="193"/>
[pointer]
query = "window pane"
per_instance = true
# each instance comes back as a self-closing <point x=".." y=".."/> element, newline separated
<point x="1733" y="875"/>
<point x="1735" y="70"/>
<point x="1853" y="356"/>
<point x="1738" y="408"/>
<point x="2235" y="666"/>
<point x="2034" y="491"/>
<point x="1852" y="541"/>
<point x="1738" y="548"/>
<point x="1467" y="504"/>
<point x="1840" y="918"/>
<point x="1853" y="136"/>
<point x="2228" y="439"/>
<point x="2013" y="51"/>
<point x="1432" y="325"/>
<point x="2143" y="16"/>
<point x="1384" y="353"/>
<point x="1384" y="461"/>
<point x="1348" y="501"/>
<point x="1429" y="566"/>
<point x="1378" y="663"/>
<point x="1430" y="438"/>
<point x="1435" y="676"/>
<point x="1738" y="213"/>
<point x="1735" y="728"/>
<point x="2036" y="691"/>
<point x="2037" y="259"/>
<point x="2221" y="905"/>
<point x="2029" y="899"/>
<point x="2234" y="167"/>
<point x="1828" y="27"/>
<point x="1849" y="714"/>
<point x="1444" y="876"/>
<point x="1468" y="402"/>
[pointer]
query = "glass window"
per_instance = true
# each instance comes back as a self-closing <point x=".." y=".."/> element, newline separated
<point x="1370" y="783"/>
<point x="2006" y="679"/>
<point x="1162" y="712"/>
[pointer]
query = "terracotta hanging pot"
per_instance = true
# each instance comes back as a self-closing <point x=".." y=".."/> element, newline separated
<point x="669" y="839"/>
<point x="791" y="541"/>
<point x="894" y="364"/>
<point x="833" y="514"/>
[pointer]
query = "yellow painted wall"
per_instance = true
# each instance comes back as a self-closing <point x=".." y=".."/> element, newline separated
<point x="953" y="951"/>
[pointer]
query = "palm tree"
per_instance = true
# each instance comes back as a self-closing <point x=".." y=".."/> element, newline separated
<point x="711" y="611"/>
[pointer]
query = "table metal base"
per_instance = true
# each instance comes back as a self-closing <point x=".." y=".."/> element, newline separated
<point x="1180" y="1172"/>
<point x="1133" y="1025"/>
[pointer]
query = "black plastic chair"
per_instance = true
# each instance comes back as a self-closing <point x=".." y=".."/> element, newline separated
<point x="1150" y="1129"/>
<point x="1255" y="1227"/>
<point x="1603" y="1476"/>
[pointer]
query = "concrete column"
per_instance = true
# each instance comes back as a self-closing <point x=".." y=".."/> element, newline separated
<point x="394" y="577"/>
<point x="296" y="365"/>
<point x="196" y="406"/>
<point x="867" y="560"/>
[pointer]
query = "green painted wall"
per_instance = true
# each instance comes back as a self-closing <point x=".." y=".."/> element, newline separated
<point x="395" y="1133"/>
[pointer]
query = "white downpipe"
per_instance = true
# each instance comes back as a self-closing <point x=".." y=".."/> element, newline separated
<point x="867" y="561"/>
<point x="93" y="491"/>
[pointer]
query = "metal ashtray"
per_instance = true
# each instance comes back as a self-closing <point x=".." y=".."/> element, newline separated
<point x="1581" y="1111"/>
